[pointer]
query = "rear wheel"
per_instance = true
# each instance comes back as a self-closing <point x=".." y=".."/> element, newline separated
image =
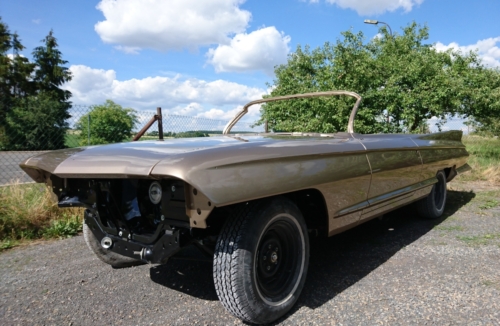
<point x="261" y="260"/>
<point x="107" y="256"/>
<point x="432" y="206"/>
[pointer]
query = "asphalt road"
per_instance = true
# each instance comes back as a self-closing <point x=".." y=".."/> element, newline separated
<point x="400" y="270"/>
<point x="9" y="167"/>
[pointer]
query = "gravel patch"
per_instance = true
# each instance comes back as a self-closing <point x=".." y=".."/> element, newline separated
<point x="399" y="270"/>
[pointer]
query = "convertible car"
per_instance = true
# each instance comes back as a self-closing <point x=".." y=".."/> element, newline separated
<point x="250" y="201"/>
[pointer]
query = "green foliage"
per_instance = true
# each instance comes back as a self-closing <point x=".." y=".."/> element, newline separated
<point x="403" y="81"/>
<point x="66" y="227"/>
<point x="486" y="126"/>
<point x="485" y="149"/>
<point x="32" y="103"/>
<point x="489" y="204"/>
<point x="109" y="123"/>
<point x="188" y="134"/>
<point x="7" y="244"/>
<point x="28" y="211"/>
<point x="50" y="73"/>
<point x="37" y="122"/>
<point x="484" y="158"/>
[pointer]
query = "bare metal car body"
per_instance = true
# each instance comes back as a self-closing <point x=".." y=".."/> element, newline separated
<point x="349" y="178"/>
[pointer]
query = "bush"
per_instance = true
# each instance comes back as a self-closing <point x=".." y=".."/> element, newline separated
<point x="109" y="123"/>
<point x="28" y="211"/>
<point x="66" y="227"/>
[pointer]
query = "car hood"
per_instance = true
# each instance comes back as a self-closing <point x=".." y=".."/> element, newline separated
<point x="175" y="157"/>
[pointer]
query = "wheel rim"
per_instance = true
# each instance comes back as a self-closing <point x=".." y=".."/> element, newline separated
<point x="279" y="260"/>
<point x="439" y="194"/>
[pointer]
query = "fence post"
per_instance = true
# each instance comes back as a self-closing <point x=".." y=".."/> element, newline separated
<point x="88" y="131"/>
<point x="160" y="123"/>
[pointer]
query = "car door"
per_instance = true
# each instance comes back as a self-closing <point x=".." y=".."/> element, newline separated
<point x="396" y="168"/>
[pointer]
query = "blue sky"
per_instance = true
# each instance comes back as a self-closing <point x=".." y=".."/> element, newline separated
<point x="209" y="57"/>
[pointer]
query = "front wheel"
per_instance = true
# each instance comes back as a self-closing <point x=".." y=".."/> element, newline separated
<point x="261" y="260"/>
<point x="432" y="206"/>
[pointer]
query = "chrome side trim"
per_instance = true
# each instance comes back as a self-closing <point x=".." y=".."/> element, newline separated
<point x="352" y="209"/>
<point x="386" y="197"/>
<point x="402" y="191"/>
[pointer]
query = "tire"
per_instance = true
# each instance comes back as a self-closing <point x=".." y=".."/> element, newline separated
<point x="107" y="256"/>
<point x="261" y="260"/>
<point x="432" y="206"/>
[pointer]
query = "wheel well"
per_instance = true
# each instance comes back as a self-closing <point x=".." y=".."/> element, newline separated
<point x="310" y="202"/>
<point x="450" y="173"/>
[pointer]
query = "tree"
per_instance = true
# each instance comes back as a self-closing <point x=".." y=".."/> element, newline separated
<point x="403" y="81"/>
<point x="5" y="46"/>
<point x="36" y="123"/>
<point x="50" y="73"/>
<point x="30" y="95"/>
<point x="109" y="123"/>
<point x="15" y="72"/>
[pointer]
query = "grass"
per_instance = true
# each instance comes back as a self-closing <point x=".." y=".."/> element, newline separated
<point x="449" y="228"/>
<point x="488" y="199"/>
<point x="489" y="204"/>
<point x="71" y="140"/>
<point x="28" y="211"/>
<point x="484" y="158"/>
<point x="476" y="240"/>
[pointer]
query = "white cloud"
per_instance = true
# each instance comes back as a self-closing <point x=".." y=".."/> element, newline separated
<point x="375" y="7"/>
<point x="128" y="49"/>
<point x="167" y="25"/>
<point x="258" y="50"/>
<point x="253" y="113"/>
<point x="487" y="50"/>
<point x="190" y="97"/>
<point x="36" y="21"/>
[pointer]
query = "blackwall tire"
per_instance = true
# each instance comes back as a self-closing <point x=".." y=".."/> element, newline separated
<point x="261" y="260"/>
<point x="432" y="206"/>
<point x="107" y="256"/>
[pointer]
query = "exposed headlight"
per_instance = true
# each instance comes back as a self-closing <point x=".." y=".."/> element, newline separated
<point x="155" y="192"/>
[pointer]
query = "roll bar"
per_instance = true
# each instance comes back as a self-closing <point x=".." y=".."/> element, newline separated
<point x="350" y="125"/>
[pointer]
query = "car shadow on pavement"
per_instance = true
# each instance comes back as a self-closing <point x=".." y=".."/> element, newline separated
<point x="341" y="261"/>
<point x="189" y="272"/>
<point x="336" y="263"/>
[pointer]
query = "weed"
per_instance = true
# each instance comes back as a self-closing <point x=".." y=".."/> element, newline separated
<point x="488" y="282"/>
<point x="489" y="204"/>
<point x="64" y="228"/>
<point x="488" y="199"/>
<point x="7" y="244"/>
<point x="26" y="210"/>
<point x="479" y="239"/>
<point x="449" y="228"/>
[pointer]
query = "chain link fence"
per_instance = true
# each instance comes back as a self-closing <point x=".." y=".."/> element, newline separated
<point x="174" y="126"/>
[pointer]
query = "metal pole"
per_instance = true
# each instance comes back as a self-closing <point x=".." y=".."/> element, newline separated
<point x="88" y="131"/>
<point x="390" y="30"/>
<point x="160" y="123"/>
